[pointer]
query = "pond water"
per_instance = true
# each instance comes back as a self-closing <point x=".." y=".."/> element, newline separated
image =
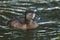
<point x="49" y="28"/>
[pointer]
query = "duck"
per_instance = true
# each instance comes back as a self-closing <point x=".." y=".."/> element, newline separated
<point x="24" y="23"/>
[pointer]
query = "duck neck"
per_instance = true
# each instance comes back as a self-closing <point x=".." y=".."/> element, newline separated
<point x="28" y="21"/>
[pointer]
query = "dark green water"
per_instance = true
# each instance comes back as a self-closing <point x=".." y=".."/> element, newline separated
<point x="47" y="11"/>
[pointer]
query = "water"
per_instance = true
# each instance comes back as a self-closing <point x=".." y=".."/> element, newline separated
<point x="49" y="24"/>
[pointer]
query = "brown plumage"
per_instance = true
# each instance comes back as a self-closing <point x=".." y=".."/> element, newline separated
<point x="24" y="23"/>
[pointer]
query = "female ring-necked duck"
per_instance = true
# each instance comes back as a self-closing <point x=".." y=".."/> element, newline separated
<point x="25" y="22"/>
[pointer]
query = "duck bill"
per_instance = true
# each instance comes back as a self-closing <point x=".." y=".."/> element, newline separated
<point x="33" y="16"/>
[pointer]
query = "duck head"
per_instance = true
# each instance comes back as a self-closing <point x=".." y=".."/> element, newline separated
<point x="29" y="14"/>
